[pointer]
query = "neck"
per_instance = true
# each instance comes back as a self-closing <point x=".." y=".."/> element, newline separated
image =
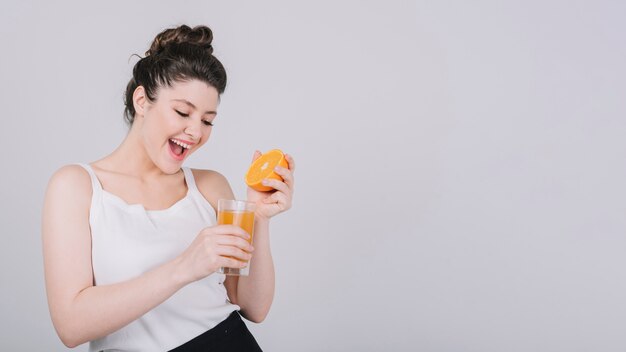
<point x="131" y="157"/>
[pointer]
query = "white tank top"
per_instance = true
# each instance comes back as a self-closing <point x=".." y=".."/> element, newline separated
<point x="128" y="240"/>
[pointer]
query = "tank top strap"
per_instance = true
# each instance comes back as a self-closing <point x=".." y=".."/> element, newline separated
<point x="95" y="183"/>
<point x="191" y="182"/>
<point x="96" y="194"/>
<point x="196" y="194"/>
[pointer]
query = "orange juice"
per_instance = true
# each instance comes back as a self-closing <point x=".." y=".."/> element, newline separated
<point x="243" y="219"/>
<point x="239" y="213"/>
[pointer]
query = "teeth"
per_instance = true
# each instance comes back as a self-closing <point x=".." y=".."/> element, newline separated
<point x="186" y="146"/>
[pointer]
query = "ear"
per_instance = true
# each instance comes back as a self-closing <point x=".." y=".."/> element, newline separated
<point x="139" y="100"/>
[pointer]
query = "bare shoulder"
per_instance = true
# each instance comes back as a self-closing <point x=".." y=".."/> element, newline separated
<point x="69" y="189"/>
<point x="212" y="185"/>
<point x="70" y="178"/>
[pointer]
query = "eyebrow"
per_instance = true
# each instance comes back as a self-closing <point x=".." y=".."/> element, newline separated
<point x="193" y="106"/>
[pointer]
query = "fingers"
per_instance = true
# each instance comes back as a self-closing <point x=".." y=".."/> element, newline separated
<point x="234" y="253"/>
<point x="256" y="155"/>
<point x="230" y="230"/>
<point x="229" y="236"/>
<point x="215" y="247"/>
<point x="233" y="263"/>
<point x="286" y="174"/>
<point x="292" y="163"/>
<point x="231" y="244"/>
<point x="277" y="185"/>
<point x="280" y="199"/>
<point x="235" y="242"/>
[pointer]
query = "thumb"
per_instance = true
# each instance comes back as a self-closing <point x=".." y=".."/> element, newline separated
<point x="257" y="154"/>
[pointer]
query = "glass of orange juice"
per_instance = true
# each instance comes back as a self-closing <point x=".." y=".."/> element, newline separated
<point x="239" y="213"/>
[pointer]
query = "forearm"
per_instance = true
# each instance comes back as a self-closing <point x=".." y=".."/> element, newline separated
<point x="100" y="310"/>
<point x="255" y="292"/>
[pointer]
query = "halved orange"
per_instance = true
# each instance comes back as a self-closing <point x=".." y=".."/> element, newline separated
<point x="263" y="168"/>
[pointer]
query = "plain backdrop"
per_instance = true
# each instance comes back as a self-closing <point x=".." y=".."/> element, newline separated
<point x="461" y="165"/>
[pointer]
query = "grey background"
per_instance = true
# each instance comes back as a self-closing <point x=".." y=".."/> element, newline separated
<point x="461" y="165"/>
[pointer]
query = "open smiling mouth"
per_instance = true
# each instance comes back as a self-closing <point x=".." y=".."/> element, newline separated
<point x="178" y="149"/>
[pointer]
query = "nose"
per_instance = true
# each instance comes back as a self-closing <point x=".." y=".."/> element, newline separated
<point x="193" y="131"/>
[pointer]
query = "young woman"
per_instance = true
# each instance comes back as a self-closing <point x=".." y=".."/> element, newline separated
<point x="131" y="245"/>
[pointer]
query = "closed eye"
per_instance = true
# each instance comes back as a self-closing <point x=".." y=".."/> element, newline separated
<point x="205" y="122"/>
<point x="181" y="114"/>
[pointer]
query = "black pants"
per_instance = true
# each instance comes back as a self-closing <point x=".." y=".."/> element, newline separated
<point x="231" y="335"/>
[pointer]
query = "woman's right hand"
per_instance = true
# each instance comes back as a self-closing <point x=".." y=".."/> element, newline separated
<point x="213" y="249"/>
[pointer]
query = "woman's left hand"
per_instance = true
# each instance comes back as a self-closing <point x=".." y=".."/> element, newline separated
<point x="277" y="201"/>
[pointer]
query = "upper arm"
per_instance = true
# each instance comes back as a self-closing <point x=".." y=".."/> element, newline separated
<point x="215" y="186"/>
<point x="66" y="238"/>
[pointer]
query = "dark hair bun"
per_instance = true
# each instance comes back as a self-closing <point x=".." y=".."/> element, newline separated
<point x="176" y="54"/>
<point x="199" y="36"/>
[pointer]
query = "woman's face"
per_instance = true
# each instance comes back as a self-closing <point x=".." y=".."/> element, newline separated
<point x="178" y="122"/>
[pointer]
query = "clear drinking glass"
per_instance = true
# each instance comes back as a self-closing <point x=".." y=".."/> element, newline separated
<point x="239" y="213"/>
